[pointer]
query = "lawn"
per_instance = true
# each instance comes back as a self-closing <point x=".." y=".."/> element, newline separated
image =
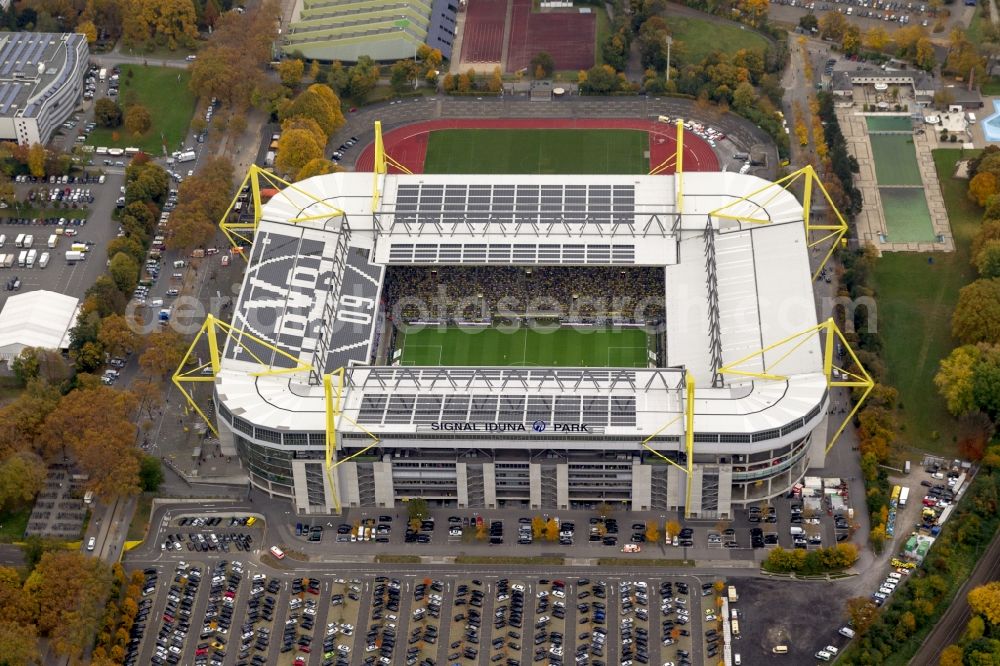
<point x="13" y="524"/>
<point x="561" y="347"/>
<point x="602" y="33"/>
<point x="701" y="37"/>
<point x="162" y="90"/>
<point x="140" y="519"/>
<point x="538" y="151"/>
<point x="917" y="293"/>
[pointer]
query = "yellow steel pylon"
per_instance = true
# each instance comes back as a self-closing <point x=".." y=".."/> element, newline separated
<point x="332" y="397"/>
<point x="832" y="231"/>
<point x="209" y="332"/>
<point x="835" y="375"/>
<point x="688" y="417"/>
<point x="244" y="231"/>
<point x="382" y="163"/>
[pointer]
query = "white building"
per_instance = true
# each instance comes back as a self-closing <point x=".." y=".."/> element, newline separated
<point x="41" y="81"/>
<point x="36" y="319"/>
<point x="534" y="437"/>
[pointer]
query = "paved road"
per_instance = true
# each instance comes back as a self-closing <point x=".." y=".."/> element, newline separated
<point x="951" y="625"/>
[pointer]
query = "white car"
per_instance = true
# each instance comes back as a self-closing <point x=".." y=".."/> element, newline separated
<point x="517" y="586"/>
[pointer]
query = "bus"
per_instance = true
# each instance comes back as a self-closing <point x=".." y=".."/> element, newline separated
<point x="736" y="628"/>
<point x="895" y="494"/>
<point x="733" y="597"/>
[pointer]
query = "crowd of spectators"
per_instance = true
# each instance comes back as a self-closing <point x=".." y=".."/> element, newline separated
<point x="482" y="293"/>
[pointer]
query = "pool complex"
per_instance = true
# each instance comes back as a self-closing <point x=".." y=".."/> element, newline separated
<point x="900" y="187"/>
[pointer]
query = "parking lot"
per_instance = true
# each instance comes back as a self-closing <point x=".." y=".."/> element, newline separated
<point x="211" y="607"/>
<point x="889" y="14"/>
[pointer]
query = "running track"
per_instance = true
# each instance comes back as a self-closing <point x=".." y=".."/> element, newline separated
<point x="408" y="144"/>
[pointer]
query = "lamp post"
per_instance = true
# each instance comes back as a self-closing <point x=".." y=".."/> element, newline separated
<point x="670" y="41"/>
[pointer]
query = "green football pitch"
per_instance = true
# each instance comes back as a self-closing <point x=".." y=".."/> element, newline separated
<point x="562" y="347"/>
<point x="552" y="151"/>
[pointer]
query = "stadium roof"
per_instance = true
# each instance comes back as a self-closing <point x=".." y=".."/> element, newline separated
<point x="348" y="29"/>
<point x="36" y="319"/>
<point x="729" y="293"/>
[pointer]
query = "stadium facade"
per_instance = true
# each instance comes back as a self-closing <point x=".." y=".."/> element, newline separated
<point x="546" y="438"/>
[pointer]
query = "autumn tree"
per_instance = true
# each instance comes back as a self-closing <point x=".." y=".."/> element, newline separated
<point x="37" y="156"/>
<point x="954" y="378"/>
<point x="652" y="531"/>
<point x="95" y="425"/>
<point x="291" y="71"/>
<point x="202" y="200"/>
<point x="317" y="167"/>
<point x="537" y="526"/>
<point x="107" y="113"/>
<point x="305" y="123"/>
<point x="951" y="656"/>
<point x="985" y="600"/>
<point x="138" y="121"/>
<point x="163" y="353"/>
<point x="22" y="420"/>
<point x="977" y="314"/>
<point x="403" y="73"/>
<point x="982" y="186"/>
<point x="833" y="25"/>
<point x="876" y="38"/>
<point x="118" y="335"/>
<point x="319" y="103"/>
<point x="552" y="529"/>
<point x="88" y="30"/>
<point x="673" y="528"/>
<point x="69" y="589"/>
<point x="296" y="148"/>
<point x="18" y="643"/>
<point x="495" y="83"/>
<point x="21" y="477"/>
<point x="170" y="23"/>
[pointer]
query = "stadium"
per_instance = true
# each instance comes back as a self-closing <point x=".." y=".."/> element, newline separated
<point x="542" y="340"/>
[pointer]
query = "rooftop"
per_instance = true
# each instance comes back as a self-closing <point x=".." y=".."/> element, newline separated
<point x="33" y="65"/>
<point x="37" y="319"/>
<point x="760" y="291"/>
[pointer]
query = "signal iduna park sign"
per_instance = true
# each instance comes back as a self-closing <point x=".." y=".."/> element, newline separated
<point x="537" y="427"/>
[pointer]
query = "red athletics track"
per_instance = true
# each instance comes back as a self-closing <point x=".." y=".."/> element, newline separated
<point x="408" y="144"/>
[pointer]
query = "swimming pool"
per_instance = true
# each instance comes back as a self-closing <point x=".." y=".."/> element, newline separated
<point x="991" y="125"/>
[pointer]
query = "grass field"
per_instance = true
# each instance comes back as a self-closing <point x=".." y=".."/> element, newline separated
<point x="895" y="160"/>
<point x="560" y="348"/>
<point x="162" y="90"/>
<point x="700" y="37"/>
<point x="538" y="151"/>
<point x="13" y="523"/>
<point x="915" y="302"/>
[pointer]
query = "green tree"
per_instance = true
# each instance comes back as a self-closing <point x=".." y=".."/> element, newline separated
<point x="417" y="508"/>
<point x="600" y="79"/>
<point x="150" y="473"/>
<point x="362" y="78"/>
<point x="125" y="272"/>
<point x="542" y="62"/>
<point x="107" y="113"/>
<point x="809" y="22"/>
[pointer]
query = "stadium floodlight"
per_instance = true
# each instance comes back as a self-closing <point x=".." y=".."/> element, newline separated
<point x="688" y="417"/>
<point x="746" y="208"/>
<point x="835" y="376"/>
<point x="209" y="332"/>
<point x="382" y="163"/>
<point x="240" y="233"/>
<point x="333" y="398"/>
<point x="207" y="371"/>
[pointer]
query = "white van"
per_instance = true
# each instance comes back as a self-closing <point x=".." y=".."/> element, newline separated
<point x="795" y="530"/>
<point x="780" y="649"/>
<point x="3" y="239"/>
<point x="823" y="655"/>
<point x="846" y="631"/>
